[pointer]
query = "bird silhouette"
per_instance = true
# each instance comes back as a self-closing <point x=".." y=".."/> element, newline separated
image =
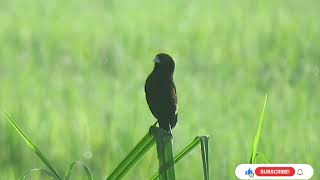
<point x="161" y="92"/>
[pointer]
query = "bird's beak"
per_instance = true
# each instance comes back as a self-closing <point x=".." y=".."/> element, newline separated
<point x="156" y="60"/>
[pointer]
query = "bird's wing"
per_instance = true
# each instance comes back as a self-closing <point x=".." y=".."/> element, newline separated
<point x="152" y="97"/>
<point x="174" y="98"/>
<point x="174" y="105"/>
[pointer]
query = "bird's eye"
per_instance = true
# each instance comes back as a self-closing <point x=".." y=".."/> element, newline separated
<point x="156" y="60"/>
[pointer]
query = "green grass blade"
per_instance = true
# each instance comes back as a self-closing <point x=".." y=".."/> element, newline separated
<point x="205" y="156"/>
<point x="187" y="149"/>
<point x="184" y="152"/>
<point x="169" y="159"/>
<point x="137" y="158"/>
<point x="258" y="134"/>
<point x="32" y="146"/>
<point x="44" y="171"/>
<point x="133" y="157"/>
<point x="165" y="153"/>
<point x="85" y="168"/>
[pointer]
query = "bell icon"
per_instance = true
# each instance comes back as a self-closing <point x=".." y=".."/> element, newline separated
<point x="300" y="172"/>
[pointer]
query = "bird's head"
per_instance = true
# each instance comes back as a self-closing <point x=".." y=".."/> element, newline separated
<point x="164" y="64"/>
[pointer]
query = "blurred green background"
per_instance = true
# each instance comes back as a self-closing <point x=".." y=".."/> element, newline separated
<point x="72" y="76"/>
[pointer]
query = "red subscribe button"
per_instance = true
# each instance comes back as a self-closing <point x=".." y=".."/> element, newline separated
<point x="275" y="171"/>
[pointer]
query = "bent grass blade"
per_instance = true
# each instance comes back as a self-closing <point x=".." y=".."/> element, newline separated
<point x="205" y="156"/>
<point x="188" y="149"/>
<point x="85" y="168"/>
<point x="44" y="171"/>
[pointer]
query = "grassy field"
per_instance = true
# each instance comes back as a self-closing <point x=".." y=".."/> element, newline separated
<point x="72" y="75"/>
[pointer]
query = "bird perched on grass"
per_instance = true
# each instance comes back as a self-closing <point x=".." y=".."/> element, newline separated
<point x="161" y="92"/>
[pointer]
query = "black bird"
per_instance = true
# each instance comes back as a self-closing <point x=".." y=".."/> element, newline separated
<point x="161" y="92"/>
